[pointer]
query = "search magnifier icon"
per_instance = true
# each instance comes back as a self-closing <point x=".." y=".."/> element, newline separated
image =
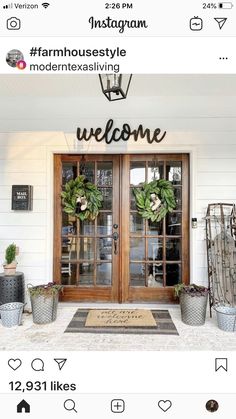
<point x="69" y="405"/>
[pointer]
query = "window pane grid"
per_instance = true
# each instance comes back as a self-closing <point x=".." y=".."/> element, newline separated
<point x="163" y="269"/>
<point x="86" y="254"/>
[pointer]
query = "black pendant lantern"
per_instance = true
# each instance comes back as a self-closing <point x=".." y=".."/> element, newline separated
<point x="115" y="86"/>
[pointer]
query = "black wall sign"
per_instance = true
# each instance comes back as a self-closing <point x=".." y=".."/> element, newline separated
<point x="22" y="198"/>
<point x="116" y="134"/>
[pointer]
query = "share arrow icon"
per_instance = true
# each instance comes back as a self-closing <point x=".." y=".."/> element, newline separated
<point x="60" y="362"/>
<point x="221" y="21"/>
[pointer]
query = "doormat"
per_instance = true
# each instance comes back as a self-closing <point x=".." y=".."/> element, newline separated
<point x="163" y="325"/>
<point x="120" y="318"/>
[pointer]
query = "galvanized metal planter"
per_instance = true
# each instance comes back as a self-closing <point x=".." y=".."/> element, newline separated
<point x="226" y="318"/>
<point x="44" y="308"/>
<point x="11" y="314"/>
<point x="193" y="309"/>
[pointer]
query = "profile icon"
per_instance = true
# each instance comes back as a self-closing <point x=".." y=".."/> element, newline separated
<point x="13" y="57"/>
<point x="212" y="406"/>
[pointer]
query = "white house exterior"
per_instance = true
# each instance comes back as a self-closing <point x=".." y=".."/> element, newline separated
<point x="39" y="116"/>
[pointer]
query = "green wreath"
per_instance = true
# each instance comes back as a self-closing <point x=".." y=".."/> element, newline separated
<point x="155" y="199"/>
<point x="81" y="199"/>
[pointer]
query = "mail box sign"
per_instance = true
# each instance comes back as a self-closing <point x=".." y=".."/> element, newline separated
<point x="22" y="198"/>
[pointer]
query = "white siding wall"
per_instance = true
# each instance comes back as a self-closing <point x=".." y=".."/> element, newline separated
<point x="23" y="160"/>
<point x="26" y="158"/>
<point x="204" y="126"/>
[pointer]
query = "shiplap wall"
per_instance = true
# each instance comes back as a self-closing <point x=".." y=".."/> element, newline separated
<point x="23" y="160"/>
<point x="32" y="128"/>
<point x="26" y="158"/>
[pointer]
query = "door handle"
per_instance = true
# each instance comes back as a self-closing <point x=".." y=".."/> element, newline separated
<point x="115" y="237"/>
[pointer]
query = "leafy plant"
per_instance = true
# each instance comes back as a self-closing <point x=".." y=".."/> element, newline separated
<point x="155" y="199"/>
<point x="81" y="199"/>
<point x="193" y="290"/>
<point x="47" y="290"/>
<point x="10" y="254"/>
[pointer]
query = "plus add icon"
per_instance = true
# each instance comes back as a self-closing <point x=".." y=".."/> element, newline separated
<point x="117" y="406"/>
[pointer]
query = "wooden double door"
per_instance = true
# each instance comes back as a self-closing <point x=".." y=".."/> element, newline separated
<point x="120" y="256"/>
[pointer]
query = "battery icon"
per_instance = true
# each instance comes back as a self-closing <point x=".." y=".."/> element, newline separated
<point x="226" y="5"/>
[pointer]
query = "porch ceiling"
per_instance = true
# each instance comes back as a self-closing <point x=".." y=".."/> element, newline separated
<point x="142" y="85"/>
<point x="61" y="102"/>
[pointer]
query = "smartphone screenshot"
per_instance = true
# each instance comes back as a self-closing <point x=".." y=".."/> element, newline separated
<point x="117" y="209"/>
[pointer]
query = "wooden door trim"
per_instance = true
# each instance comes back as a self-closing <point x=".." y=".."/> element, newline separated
<point x="116" y="220"/>
<point x="72" y="292"/>
<point x="57" y="219"/>
<point x="164" y="294"/>
<point x="125" y="202"/>
<point x="121" y="291"/>
<point x="185" y="220"/>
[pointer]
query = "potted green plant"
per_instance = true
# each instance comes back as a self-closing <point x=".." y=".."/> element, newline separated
<point x="44" y="302"/>
<point x="12" y="283"/>
<point x="193" y="303"/>
<point x="10" y="263"/>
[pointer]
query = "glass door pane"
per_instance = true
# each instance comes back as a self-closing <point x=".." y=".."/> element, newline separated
<point x="155" y="256"/>
<point x="87" y="246"/>
<point x="148" y="258"/>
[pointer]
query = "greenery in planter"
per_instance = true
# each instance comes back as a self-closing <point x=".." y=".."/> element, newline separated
<point x="193" y="303"/>
<point x="10" y="255"/>
<point x="193" y="290"/>
<point x="44" y="302"/>
<point x="81" y="199"/>
<point x="155" y="199"/>
<point x="10" y="260"/>
<point x="47" y="290"/>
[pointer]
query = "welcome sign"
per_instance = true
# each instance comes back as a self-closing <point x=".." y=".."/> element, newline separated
<point x="110" y="134"/>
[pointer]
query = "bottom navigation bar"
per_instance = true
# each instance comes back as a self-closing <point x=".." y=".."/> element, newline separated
<point x="137" y="406"/>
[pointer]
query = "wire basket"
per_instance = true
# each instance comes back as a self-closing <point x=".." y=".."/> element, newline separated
<point x="44" y="309"/>
<point x="11" y="314"/>
<point x="193" y="309"/>
<point x="226" y="318"/>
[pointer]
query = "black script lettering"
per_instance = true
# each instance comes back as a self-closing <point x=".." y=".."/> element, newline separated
<point x="116" y="134"/>
<point x="142" y="133"/>
<point x="83" y="136"/>
<point x="125" y="135"/>
<point x="113" y="137"/>
<point x="98" y="131"/>
<point x="108" y="128"/>
<point x="156" y="133"/>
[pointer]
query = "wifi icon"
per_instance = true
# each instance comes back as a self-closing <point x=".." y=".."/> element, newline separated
<point x="45" y="5"/>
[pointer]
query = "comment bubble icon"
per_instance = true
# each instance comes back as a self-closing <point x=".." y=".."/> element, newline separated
<point x="37" y="364"/>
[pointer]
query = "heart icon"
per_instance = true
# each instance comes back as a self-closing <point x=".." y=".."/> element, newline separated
<point x="14" y="364"/>
<point x="164" y="405"/>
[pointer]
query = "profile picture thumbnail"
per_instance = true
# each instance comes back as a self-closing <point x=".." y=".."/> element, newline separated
<point x="13" y="57"/>
<point x="212" y="406"/>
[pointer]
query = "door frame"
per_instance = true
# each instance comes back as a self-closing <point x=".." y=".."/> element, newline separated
<point x="165" y="294"/>
<point x="73" y="292"/>
<point x="122" y="292"/>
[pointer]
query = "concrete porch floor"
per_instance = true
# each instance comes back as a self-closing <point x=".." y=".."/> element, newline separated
<point x="52" y="337"/>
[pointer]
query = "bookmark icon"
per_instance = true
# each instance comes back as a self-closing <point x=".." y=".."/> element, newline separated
<point x="221" y="364"/>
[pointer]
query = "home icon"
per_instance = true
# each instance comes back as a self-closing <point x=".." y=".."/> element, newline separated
<point x="23" y="407"/>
